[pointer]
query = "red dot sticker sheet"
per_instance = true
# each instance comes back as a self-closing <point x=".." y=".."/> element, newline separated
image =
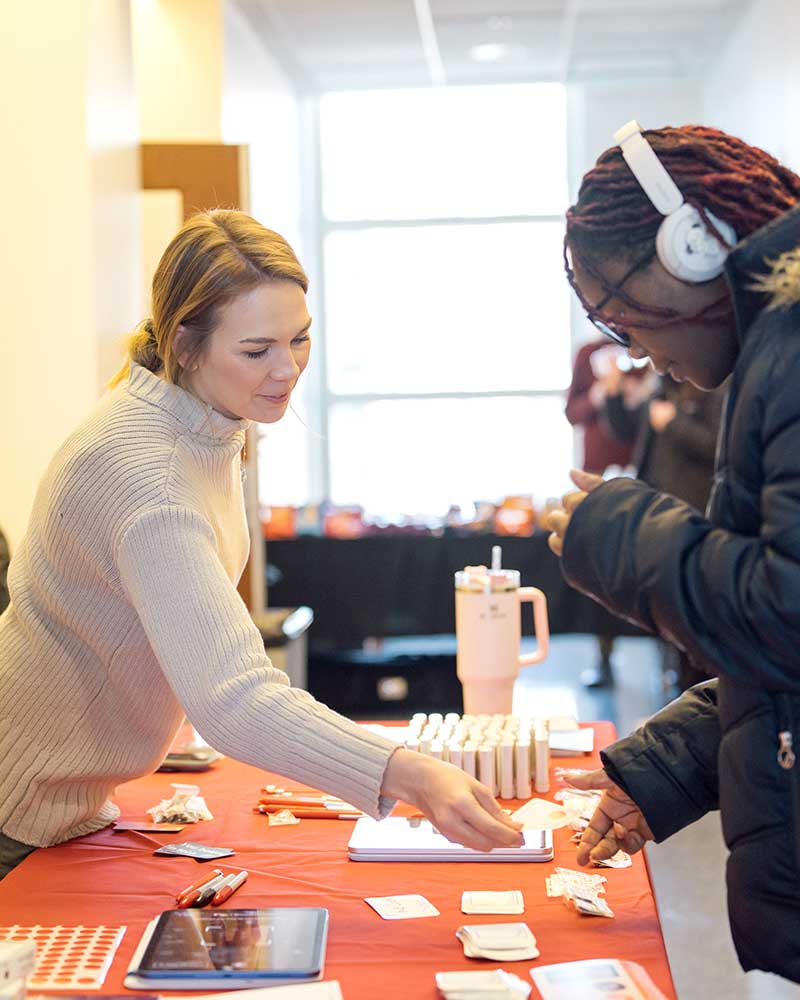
<point x="68" y="958"/>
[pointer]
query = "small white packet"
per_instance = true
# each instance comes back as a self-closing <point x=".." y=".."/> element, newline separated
<point x="495" y="985"/>
<point x="618" y="860"/>
<point x="566" y="879"/>
<point x="402" y="907"/>
<point x="185" y="806"/>
<point x="539" y="814"/>
<point x="284" y="817"/>
<point x="498" y="942"/>
<point x="485" y="901"/>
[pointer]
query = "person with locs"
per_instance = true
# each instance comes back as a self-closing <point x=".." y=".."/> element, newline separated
<point x="684" y="246"/>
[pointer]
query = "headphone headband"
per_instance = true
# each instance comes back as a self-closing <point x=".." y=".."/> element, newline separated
<point x="648" y="170"/>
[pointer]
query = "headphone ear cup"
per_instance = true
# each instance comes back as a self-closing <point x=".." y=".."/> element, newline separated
<point x="686" y="248"/>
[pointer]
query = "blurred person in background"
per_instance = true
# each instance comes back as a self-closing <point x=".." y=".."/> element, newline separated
<point x="584" y="409"/>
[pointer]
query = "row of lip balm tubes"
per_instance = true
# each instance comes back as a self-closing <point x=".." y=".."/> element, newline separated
<point x="502" y="751"/>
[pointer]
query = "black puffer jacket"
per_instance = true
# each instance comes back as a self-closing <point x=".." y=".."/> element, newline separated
<point x="726" y="588"/>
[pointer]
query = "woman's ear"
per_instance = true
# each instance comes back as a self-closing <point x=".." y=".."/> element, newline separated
<point x="181" y="351"/>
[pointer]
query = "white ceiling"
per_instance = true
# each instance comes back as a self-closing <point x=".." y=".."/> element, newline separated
<point x="336" y="44"/>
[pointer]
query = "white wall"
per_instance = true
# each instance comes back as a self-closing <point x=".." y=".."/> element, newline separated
<point x="112" y="135"/>
<point x="260" y="110"/>
<point x="177" y="46"/>
<point x="753" y="87"/>
<point x="48" y="269"/>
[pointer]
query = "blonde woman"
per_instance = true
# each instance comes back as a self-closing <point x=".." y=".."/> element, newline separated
<point x="124" y="614"/>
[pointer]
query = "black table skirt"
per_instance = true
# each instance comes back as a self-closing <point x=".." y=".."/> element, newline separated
<point x="400" y="585"/>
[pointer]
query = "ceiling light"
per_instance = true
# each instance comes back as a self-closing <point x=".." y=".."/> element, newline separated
<point x="489" y="52"/>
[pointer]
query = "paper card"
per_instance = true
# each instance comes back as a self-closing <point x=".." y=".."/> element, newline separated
<point x="571" y="743"/>
<point x="539" y="814"/>
<point x="200" y="852"/>
<point x="497" y="985"/>
<point x="328" y="990"/>
<point x="485" y="901"/>
<point x="402" y="907"/>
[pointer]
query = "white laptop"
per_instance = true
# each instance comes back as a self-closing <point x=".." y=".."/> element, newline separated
<point x="402" y="838"/>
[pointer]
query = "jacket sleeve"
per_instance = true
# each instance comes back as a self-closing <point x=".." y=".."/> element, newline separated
<point x="624" y="423"/>
<point x="213" y="657"/>
<point x="731" y="601"/>
<point x="669" y="766"/>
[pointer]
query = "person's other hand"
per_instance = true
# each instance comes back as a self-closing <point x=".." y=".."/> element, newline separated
<point x="662" y="413"/>
<point x="613" y="381"/>
<point x="558" y="519"/>
<point x="461" y="808"/>
<point x="617" y="823"/>
<point x="597" y="394"/>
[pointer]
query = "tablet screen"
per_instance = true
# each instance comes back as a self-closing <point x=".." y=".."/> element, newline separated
<point x="286" y="941"/>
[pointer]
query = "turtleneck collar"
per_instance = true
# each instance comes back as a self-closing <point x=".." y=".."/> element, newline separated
<point x="199" y="417"/>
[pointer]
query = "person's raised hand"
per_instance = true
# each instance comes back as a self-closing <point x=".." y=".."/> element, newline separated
<point x="558" y="519"/>
<point x="661" y="413"/>
<point x="461" y="808"/>
<point x="617" y="823"/>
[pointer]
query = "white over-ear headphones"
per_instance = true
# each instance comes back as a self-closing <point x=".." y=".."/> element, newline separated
<point x="684" y="245"/>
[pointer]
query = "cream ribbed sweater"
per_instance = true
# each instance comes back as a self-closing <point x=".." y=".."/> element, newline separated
<point x="124" y="615"/>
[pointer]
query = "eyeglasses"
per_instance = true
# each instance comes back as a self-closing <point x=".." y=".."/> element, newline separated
<point x="614" y="331"/>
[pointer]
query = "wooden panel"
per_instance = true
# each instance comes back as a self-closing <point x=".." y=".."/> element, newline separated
<point x="209" y="175"/>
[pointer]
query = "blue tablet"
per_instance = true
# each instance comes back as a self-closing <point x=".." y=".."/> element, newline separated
<point x="198" y="948"/>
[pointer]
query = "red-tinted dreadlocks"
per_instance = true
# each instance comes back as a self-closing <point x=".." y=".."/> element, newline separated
<point x="740" y="184"/>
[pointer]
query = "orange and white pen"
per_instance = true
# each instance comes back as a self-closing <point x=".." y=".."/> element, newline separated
<point x="304" y="800"/>
<point x="199" y="883"/>
<point x="229" y="886"/>
<point x="311" y="812"/>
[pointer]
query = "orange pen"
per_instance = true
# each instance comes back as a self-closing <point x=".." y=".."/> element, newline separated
<point x="202" y="895"/>
<point x="229" y="887"/>
<point x="199" y="883"/>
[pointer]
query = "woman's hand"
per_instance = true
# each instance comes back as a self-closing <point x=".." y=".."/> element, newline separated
<point x="461" y="808"/>
<point x="558" y="519"/>
<point x="617" y="823"/>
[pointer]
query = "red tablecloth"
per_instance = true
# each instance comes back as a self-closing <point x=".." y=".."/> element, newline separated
<point x="113" y="878"/>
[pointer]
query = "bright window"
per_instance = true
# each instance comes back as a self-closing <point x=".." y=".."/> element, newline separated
<point x="445" y="328"/>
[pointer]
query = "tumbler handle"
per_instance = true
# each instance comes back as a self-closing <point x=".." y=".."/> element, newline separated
<point x="541" y="625"/>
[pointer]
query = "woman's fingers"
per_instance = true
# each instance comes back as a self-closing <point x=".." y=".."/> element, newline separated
<point x="486" y="818"/>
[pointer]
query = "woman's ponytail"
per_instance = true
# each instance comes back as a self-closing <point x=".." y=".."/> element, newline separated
<point x="142" y="348"/>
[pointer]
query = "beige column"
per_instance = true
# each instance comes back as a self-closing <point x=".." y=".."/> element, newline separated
<point x="49" y="272"/>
